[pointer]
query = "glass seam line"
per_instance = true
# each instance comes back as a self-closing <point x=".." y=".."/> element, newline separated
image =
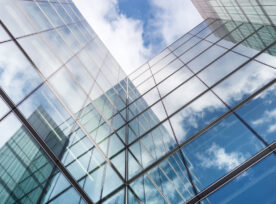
<point x="185" y="105"/>
<point x="44" y="146"/>
<point x="201" y="39"/>
<point x="67" y="109"/>
<point x="199" y="72"/>
<point x="227" y="51"/>
<point x="176" y="140"/>
<point x="233" y="174"/>
<point x="259" y="137"/>
<point x="173" y="43"/>
<point x="193" y="137"/>
<point x="174" y="49"/>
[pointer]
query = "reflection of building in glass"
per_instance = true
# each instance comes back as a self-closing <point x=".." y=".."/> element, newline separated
<point x="259" y="11"/>
<point x="176" y="130"/>
<point x="25" y="171"/>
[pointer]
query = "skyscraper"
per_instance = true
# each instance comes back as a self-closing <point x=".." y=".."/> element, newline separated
<point x="195" y="123"/>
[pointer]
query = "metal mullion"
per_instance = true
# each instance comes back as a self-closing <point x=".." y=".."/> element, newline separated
<point x="169" y="163"/>
<point x="5" y="41"/>
<point x="22" y="163"/>
<point x="193" y="137"/>
<point x="227" y="50"/>
<point x="50" y="3"/>
<point x="79" y="87"/>
<point x="40" y="141"/>
<point x="40" y="85"/>
<point x="264" y="11"/>
<point x="234" y="173"/>
<point x="170" y="45"/>
<point x="241" y="54"/>
<point x="44" y="146"/>
<point x="159" y="167"/>
<point x="43" y="31"/>
<point x="226" y="105"/>
<point x="126" y="142"/>
<point x="104" y="93"/>
<point x="149" y="177"/>
<point x="75" y="54"/>
<point x="207" y="67"/>
<point x="105" y="169"/>
<point x="259" y="137"/>
<point x="204" y="39"/>
<point x="175" y="138"/>
<point x="72" y="115"/>
<point x="245" y="17"/>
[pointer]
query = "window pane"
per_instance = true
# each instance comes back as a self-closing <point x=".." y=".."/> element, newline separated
<point x="257" y="42"/>
<point x="51" y="13"/>
<point x="179" y="51"/>
<point x="238" y="35"/>
<point x="159" y="57"/>
<point x="193" y="52"/>
<point x="217" y="152"/>
<point x="174" y="80"/>
<point x="14" y="19"/>
<point x="222" y="31"/>
<point x="256" y="185"/>
<point x="260" y="113"/>
<point x="210" y="29"/>
<point x="67" y="88"/>
<point x="42" y="56"/>
<point x="17" y="76"/>
<point x="196" y="116"/>
<point x="26" y="171"/>
<point x="162" y="63"/>
<point x="206" y="57"/>
<point x="166" y="71"/>
<point x="3" y="35"/>
<point x="180" y="41"/>
<point x="244" y="82"/>
<point x="183" y="95"/>
<point x="35" y="14"/>
<point x="221" y="68"/>
<point x="3" y="108"/>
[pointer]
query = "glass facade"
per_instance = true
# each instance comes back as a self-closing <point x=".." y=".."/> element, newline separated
<point x="189" y="125"/>
<point x="254" y="11"/>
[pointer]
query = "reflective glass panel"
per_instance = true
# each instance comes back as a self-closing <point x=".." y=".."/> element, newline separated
<point x="17" y="76"/>
<point x="183" y="95"/>
<point x="244" y="82"/>
<point x="220" y="149"/>
<point x="256" y="185"/>
<point x="260" y="113"/>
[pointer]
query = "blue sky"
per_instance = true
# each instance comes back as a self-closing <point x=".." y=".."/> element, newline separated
<point x="136" y="30"/>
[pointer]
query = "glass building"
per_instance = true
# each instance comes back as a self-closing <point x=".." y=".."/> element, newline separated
<point x="194" y="124"/>
<point x="254" y="11"/>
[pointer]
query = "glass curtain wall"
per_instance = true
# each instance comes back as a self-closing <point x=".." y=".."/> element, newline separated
<point x="254" y="11"/>
<point x="76" y="129"/>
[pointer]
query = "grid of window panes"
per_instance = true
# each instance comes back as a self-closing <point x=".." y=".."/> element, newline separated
<point x="57" y="74"/>
<point x="202" y="107"/>
<point x="254" y="11"/>
<point x="165" y="133"/>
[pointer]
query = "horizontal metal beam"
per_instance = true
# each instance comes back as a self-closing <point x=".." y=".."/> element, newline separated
<point x="233" y="174"/>
<point x="44" y="146"/>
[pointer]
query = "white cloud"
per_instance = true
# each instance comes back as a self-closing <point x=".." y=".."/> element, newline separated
<point x="268" y="118"/>
<point x="217" y="157"/>
<point x="121" y="35"/>
<point x="174" y="18"/>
